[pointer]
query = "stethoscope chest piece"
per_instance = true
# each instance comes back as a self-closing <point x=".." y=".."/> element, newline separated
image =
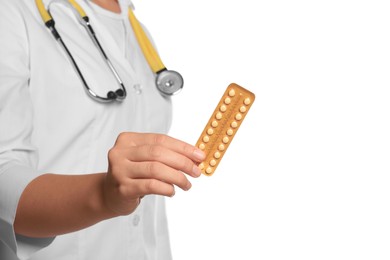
<point x="169" y="82"/>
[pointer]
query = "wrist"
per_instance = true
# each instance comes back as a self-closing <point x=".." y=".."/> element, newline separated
<point x="98" y="203"/>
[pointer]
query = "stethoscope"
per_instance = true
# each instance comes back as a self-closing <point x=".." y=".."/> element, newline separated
<point x="168" y="82"/>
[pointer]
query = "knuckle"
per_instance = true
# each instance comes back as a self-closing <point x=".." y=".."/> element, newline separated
<point x="150" y="185"/>
<point x="125" y="137"/>
<point x="187" y="149"/>
<point x="170" y="191"/>
<point x="155" y="151"/>
<point x="128" y="189"/>
<point x="160" y="138"/>
<point x="122" y="189"/>
<point x="122" y="136"/>
<point x="112" y="154"/>
<point x="187" y="165"/>
<point x="182" y="180"/>
<point x="152" y="169"/>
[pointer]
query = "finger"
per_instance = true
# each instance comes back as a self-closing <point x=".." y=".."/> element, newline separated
<point x="158" y="171"/>
<point x="142" y="187"/>
<point x="136" y="139"/>
<point x="163" y="155"/>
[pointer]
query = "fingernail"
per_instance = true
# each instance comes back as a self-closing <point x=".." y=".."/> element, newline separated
<point x="189" y="185"/>
<point x="199" y="154"/>
<point x="196" y="171"/>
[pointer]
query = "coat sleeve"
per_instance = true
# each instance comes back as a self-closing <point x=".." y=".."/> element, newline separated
<point x="18" y="156"/>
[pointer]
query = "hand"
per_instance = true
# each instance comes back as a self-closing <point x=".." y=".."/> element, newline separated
<point x="142" y="164"/>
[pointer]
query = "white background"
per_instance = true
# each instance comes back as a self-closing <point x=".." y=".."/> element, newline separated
<point x="307" y="174"/>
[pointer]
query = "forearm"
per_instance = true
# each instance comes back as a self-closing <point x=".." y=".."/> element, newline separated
<point x="138" y="165"/>
<point x="57" y="204"/>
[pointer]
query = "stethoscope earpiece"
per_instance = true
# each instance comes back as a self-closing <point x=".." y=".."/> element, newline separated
<point x="118" y="95"/>
<point x="111" y="95"/>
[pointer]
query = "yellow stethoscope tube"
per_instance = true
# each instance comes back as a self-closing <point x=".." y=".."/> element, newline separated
<point x="78" y="8"/>
<point x="168" y="82"/>
<point x="46" y="17"/>
<point x="150" y="53"/>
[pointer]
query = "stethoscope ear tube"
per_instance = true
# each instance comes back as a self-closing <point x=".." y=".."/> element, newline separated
<point x="119" y="94"/>
<point x="42" y="11"/>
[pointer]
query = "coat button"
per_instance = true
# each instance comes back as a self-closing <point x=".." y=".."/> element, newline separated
<point x="137" y="89"/>
<point x="136" y="220"/>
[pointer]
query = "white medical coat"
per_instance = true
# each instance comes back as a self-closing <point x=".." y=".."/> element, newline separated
<point x="48" y="124"/>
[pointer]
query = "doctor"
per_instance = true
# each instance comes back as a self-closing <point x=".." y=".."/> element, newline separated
<point x="79" y="178"/>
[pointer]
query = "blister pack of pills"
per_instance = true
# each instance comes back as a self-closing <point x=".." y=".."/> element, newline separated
<point x="223" y="125"/>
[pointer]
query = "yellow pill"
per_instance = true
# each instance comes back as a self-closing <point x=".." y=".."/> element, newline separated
<point x="227" y="101"/>
<point x="221" y="147"/>
<point x="209" y="170"/>
<point x="243" y="109"/>
<point x="238" y="116"/>
<point x="234" y="124"/>
<point x="202" y="146"/>
<point x="201" y="166"/>
<point x="213" y="162"/>
<point x="206" y="138"/>
<point x="225" y="139"/>
<point x="247" y="101"/>
<point x="214" y="124"/>
<point x="222" y="108"/>
<point x="210" y="131"/>
<point x="217" y="155"/>
<point x="232" y="92"/>
<point x="229" y="131"/>
<point x="218" y="115"/>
